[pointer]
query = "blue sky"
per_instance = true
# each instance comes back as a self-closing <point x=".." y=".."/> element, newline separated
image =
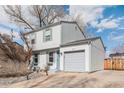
<point x="104" y="21"/>
<point x="114" y="36"/>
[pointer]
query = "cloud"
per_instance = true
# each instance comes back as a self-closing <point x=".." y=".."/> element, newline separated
<point x="93" y="15"/>
<point x="121" y="28"/>
<point x="108" y="24"/>
<point x="99" y="30"/>
<point x="6" y="26"/>
<point x="3" y="16"/>
<point x="114" y="36"/>
<point x="8" y="32"/>
<point x="121" y="18"/>
<point x="118" y="37"/>
<point x="4" y="31"/>
<point x="89" y="13"/>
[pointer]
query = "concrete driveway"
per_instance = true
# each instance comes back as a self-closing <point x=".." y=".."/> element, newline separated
<point x="99" y="79"/>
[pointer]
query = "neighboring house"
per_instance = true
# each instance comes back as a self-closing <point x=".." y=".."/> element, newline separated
<point x="117" y="55"/>
<point x="64" y="47"/>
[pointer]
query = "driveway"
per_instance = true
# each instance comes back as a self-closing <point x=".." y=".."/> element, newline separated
<point x="106" y="79"/>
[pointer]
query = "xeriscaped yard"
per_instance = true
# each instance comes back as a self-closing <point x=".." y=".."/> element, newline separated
<point x="74" y="80"/>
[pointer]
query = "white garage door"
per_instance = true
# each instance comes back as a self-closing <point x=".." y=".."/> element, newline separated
<point x="74" y="61"/>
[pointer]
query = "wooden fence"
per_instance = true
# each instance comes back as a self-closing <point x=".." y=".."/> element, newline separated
<point x="114" y="64"/>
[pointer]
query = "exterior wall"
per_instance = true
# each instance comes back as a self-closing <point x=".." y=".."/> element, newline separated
<point x="70" y="32"/>
<point x="54" y="66"/>
<point x="43" y="59"/>
<point x="61" y="34"/>
<point x="76" y="48"/>
<point x="40" y="44"/>
<point x="55" y="42"/>
<point x="55" y="63"/>
<point x="29" y="38"/>
<point x="97" y="55"/>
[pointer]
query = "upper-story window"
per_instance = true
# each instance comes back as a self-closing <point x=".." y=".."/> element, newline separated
<point x="47" y="35"/>
<point x="33" y="41"/>
<point x="31" y="38"/>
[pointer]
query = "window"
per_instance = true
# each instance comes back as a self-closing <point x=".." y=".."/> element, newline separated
<point x="35" y="60"/>
<point x="50" y="56"/>
<point x="47" y="35"/>
<point x="33" y="41"/>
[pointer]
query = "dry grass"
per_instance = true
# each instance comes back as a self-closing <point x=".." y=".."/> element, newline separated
<point x="10" y="68"/>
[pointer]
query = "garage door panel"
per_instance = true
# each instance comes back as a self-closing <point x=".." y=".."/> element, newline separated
<point x="75" y="61"/>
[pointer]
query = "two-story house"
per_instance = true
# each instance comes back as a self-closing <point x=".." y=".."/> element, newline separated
<point x="64" y="47"/>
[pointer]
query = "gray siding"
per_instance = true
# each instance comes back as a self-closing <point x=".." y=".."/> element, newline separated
<point x="97" y="55"/>
<point x="70" y="32"/>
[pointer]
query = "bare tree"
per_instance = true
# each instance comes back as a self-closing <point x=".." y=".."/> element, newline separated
<point x="16" y="52"/>
<point x="118" y="49"/>
<point x="32" y="18"/>
<point x="42" y="15"/>
<point x="16" y="14"/>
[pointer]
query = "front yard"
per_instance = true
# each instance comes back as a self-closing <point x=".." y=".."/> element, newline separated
<point x="97" y="79"/>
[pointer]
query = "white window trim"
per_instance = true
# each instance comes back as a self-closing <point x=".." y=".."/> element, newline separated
<point x="44" y="37"/>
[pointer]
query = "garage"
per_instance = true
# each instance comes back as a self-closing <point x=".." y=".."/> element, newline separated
<point x="82" y="56"/>
<point x="74" y="61"/>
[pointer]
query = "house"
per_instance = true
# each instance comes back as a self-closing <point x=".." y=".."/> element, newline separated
<point x="117" y="55"/>
<point x="64" y="47"/>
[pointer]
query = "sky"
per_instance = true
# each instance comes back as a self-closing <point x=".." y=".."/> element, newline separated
<point x="104" y="21"/>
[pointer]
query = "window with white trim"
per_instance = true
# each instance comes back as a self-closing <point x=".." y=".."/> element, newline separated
<point x="47" y="35"/>
<point x="51" y="58"/>
<point x="35" y="59"/>
<point x="33" y="41"/>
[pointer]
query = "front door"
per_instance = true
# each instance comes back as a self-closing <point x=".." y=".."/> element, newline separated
<point x="58" y="60"/>
<point x="54" y="60"/>
<point x="51" y="62"/>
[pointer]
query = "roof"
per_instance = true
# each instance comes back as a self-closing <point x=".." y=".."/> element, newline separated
<point x="50" y="25"/>
<point x="78" y="42"/>
<point x="83" y="41"/>
<point x="116" y="54"/>
<point x="57" y="23"/>
<point x="14" y="43"/>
